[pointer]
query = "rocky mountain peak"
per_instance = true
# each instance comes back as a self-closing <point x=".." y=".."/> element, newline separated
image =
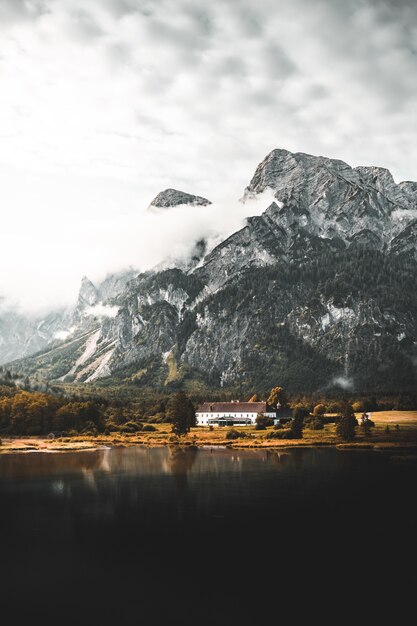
<point x="318" y="289"/>
<point x="88" y="294"/>
<point x="328" y="198"/>
<point x="173" y="197"/>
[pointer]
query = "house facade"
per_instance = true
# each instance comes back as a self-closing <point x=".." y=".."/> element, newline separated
<point x="233" y="413"/>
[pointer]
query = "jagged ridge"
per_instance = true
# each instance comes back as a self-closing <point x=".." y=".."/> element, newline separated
<point x="317" y="291"/>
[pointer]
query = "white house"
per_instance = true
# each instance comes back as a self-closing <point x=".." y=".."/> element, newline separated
<point x="233" y="413"/>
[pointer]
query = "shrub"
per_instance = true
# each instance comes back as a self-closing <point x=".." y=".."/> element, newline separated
<point x="158" y="418"/>
<point x="89" y="429"/>
<point x="346" y="423"/>
<point x="130" y="427"/>
<point x="296" y="428"/>
<point x="314" y="423"/>
<point x="148" y="428"/>
<point x="301" y="410"/>
<point x="284" y="433"/>
<point x="71" y="433"/>
<point x="333" y="407"/>
<point x="262" y="421"/>
<point x="319" y="409"/>
<point x="235" y="434"/>
<point x="274" y="434"/>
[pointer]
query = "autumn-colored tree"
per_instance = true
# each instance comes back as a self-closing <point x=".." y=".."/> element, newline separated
<point x="277" y="395"/>
<point x="254" y="398"/>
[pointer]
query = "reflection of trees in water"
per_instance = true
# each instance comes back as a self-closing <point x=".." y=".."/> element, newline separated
<point x="49" y="464"/>
<point x="180" y="461"/>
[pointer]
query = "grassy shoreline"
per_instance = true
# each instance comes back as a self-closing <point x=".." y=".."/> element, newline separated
<point x="402" y="435"/>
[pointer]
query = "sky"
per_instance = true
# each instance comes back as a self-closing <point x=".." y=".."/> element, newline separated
<point x="105" y="103"/>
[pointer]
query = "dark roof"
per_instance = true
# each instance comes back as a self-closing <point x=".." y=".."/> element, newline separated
<point x="232" y="407"/>
<point x="284" y="413"/>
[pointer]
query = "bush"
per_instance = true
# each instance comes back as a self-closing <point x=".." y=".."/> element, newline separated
<point x="262" y="421"/>
<point x="284" y="433"/>
<point x="158" y="418"/>
<point x="89" y="429"/>
<point x="315" y="423"/>
<point x="301" y="410"/>
<point x="346" y="423"/>
<point x="130" y="427"/>
<point x="71" y="433"/>
<point x="319" y="409"/>
<point x="148" y="428"/>
<point x="235" y="434"/>
<point x="333" y="407"/>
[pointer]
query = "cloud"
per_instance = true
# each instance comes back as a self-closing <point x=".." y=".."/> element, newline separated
<point x="108" y="102"/>
<point x="343" y="382"/>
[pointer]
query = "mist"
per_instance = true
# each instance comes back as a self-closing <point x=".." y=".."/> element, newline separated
<point x="106" y="103"/>
<point x="44" y="270"/>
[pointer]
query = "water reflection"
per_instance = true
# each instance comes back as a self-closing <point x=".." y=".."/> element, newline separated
<point x="180" y="461"/>
<point x="136" y="529"/>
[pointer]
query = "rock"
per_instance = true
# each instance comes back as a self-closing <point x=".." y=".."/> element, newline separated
<point x="173" y="197"/>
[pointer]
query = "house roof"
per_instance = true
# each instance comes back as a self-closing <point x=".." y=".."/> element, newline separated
<point x="232" y="407"/>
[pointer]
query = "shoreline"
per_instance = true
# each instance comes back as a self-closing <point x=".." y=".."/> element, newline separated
<point x="393" y="431"/>
<point x="26" y="445"/>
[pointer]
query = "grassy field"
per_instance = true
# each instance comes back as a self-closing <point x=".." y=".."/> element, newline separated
<point x="406" y="418"/>
<point x="393" y="429"/>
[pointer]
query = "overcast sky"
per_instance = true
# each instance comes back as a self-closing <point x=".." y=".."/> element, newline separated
<point x="105" y="103"/>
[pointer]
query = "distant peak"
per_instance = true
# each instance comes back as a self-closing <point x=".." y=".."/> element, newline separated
<point x="87" y="294"/>
<point x="173" y="197"/>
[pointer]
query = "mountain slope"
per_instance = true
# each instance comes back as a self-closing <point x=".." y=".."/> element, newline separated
<point x="318" y="291"/>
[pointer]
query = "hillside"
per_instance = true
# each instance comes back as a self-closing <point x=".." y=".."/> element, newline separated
<point x="318" y="292"/>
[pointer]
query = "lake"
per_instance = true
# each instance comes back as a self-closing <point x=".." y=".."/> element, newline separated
<point x="217" y="536"/>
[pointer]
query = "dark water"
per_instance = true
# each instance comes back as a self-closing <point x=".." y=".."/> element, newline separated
<point x="153" y="536"/>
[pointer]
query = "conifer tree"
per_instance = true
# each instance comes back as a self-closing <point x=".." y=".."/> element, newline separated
<point x="181" y="412"/>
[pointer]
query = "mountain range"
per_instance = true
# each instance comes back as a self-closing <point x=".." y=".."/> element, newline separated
<point x="317" y="292"/>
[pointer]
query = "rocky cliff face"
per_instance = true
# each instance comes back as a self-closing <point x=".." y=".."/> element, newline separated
<point x="23" y="334"/>
<point x="318" y="291"/>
